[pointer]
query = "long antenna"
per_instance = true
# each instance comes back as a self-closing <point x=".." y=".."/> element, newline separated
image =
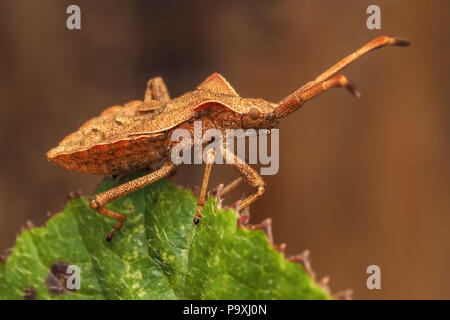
<point x="323" y="82"/>
<point x="376" y="43"/>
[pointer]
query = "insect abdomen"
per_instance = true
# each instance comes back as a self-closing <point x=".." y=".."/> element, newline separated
<point x="120" y="157"/>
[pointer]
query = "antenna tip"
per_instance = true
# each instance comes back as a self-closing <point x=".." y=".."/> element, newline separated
<point x="398" y="41"/>
<point x="343" y="81"/>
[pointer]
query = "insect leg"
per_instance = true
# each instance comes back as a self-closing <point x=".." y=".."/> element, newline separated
<point x="156" y="90"/>
<point x="100" y="200"/>
<point x="201" y="198"/>
<point x="233" y="184"/>
<point x="252" y="177"/>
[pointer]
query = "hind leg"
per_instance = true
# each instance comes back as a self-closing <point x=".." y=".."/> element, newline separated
<point x="102" y="199"/>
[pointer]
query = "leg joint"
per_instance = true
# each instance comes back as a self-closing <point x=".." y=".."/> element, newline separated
<point x="94" y="203"/>
<point x="260" y="191"/>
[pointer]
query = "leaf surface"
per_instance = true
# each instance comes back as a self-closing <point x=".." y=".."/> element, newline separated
<point x="158" y="254"/>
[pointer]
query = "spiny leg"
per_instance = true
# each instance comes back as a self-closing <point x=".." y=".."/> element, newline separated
<point x="201" y="199"/>
<point x="252" y="198"/>
<point x="102" y="199"/>
<point x="252" y="177"/>
<point x="156" y="90"/>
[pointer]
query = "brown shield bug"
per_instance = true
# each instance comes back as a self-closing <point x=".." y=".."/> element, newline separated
<point x="129" y="138"/>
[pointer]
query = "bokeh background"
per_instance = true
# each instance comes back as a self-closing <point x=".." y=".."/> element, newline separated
<point x="361" y="181"/>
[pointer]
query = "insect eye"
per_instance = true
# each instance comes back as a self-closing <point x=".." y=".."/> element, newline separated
<point x="254" y="113"/>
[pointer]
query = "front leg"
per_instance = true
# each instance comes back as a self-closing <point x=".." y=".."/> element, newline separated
<point x="252" y="177"/>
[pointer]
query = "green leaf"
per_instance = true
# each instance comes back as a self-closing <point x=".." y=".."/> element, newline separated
<point x="158" y="254"/>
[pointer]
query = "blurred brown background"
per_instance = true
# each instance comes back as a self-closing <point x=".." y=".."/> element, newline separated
<point x="361" y="182"/>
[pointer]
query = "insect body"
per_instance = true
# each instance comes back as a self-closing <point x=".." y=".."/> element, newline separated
<point x="129" y="138"/>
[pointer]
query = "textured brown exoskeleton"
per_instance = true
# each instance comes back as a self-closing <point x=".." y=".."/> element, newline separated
<point x="129" y="138"/>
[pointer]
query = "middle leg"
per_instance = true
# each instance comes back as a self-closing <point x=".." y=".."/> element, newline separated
<point x="201" y="198"/>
